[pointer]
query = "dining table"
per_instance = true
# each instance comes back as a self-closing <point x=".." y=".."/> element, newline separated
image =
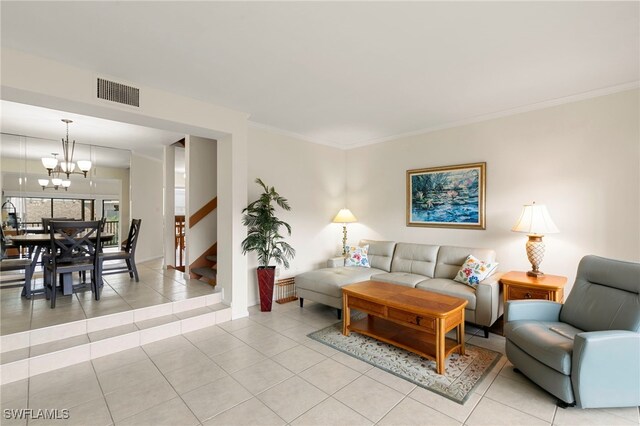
<point x="36" y="243"/>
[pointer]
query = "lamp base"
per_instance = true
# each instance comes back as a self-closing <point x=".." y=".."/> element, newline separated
<point x="535" y="254"/>
<point x="344" y="239"/>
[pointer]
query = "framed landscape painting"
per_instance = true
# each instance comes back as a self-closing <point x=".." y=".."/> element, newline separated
<point x="447" y="197"/>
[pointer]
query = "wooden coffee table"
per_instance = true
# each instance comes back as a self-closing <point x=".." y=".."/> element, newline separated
<point x="410" y="318"/>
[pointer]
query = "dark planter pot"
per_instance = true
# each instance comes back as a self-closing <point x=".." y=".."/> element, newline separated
<point x="266" y="279"/>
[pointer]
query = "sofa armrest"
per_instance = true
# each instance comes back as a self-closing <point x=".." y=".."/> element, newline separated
<point x="335" y="262"/>
<point x="532" y="310"/>
<point x="488" y="300"/>
<point x="493" y="279"/>
<point x="606" y="369"/>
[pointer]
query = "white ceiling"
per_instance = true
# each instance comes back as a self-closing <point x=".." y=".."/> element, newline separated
<point x="343" y="73"/>
<point x="46" y="125"/>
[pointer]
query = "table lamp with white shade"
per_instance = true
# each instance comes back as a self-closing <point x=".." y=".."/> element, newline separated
<point x="344" y="216"/>
<point x="536" y="222"/>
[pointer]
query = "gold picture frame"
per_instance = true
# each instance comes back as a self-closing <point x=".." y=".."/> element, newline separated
<point x="447" y="197"/>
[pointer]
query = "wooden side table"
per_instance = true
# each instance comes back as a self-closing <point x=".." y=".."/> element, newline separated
<point x="520" y="286"/>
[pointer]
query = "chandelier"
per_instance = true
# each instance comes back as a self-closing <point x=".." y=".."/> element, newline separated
<point x="56" y="183"/>
<point x="67" y="165"/>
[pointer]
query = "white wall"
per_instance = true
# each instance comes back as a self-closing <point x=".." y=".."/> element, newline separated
<point x="201" y="169"/>
<point x="581" y="159"/>
<point x="201" y="187"/>
<point x="125" y="205"/>
<point x="312" y="177"/>
<point x="232" y="198"/>
<point x="146" y="204"/>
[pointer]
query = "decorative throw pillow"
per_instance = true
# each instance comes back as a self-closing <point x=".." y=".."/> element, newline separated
<point x="473" y="271"/>
<point x="357" y="256"/>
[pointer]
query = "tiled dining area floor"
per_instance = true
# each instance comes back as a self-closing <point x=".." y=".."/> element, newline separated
<point x="264" y="370"/>
<point x="120" y="293"/>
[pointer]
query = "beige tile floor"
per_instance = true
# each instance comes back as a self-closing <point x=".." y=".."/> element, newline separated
<point x="263" y="370"/>
<point x="120" y="293"/>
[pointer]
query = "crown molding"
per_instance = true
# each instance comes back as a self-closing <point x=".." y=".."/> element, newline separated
<point x="485" y="117"/>
<point x="505" y="113"/>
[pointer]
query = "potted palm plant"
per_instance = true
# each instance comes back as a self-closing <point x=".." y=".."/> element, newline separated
<point x="264" y="238"/>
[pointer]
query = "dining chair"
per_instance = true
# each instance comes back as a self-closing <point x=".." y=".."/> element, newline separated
<point x="5" y="244"/>
<point x="127" y="253"/>
<point x="47" y="220"/>
<point x="83" y="274"/>
<point x="74" y="248"/>
<point x="16" y="264"/>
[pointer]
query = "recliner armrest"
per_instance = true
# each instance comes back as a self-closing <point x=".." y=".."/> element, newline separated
<point x="533" y="310"/>
<point x="606" y="369"/>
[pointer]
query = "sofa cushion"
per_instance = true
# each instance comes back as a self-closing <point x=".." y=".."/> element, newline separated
<point x="450" y="288"/>
<point x="380" y="253"/>
<point x="415" y="259"/>
<point x="451" y="258"/>
<point x="552" y="348"/>
<point x="357" y="256"/>
<point x="474" y="270"/>
<point x="329" y="281"/>
<point x="400" y="278"/>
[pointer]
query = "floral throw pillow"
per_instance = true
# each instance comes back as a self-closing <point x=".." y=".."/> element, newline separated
<point x="473" y="271"/>
<point x="357" y="256"/>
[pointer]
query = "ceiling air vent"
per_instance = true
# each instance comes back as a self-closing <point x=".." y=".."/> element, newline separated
<point x="116" y="92"/>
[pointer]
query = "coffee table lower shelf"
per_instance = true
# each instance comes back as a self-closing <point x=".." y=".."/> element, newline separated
<point x="416" y="341"/>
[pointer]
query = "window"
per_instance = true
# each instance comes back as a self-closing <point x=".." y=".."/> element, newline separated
<point x="69" y="208"/>
<point x="31" y="210"/>
<point x="111" y="211"/>
<point x="35" y="209"/>
<point x="88" y="210"/>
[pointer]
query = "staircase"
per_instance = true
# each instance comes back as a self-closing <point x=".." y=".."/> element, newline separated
<point x="204" y="268"/>
<point x="206" y="273"/>
<point x="41" y="350"/>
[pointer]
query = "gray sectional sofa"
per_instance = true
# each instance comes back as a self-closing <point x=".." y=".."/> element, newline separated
<point x="424" y="266"/>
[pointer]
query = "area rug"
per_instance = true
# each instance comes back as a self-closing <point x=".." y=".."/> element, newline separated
<point x="463" y="372"/>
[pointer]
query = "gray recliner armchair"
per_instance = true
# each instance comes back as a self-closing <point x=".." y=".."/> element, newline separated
<point x="587" y="351"/>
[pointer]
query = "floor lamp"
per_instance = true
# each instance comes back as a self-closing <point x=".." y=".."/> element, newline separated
<point x="344" y="216"/>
